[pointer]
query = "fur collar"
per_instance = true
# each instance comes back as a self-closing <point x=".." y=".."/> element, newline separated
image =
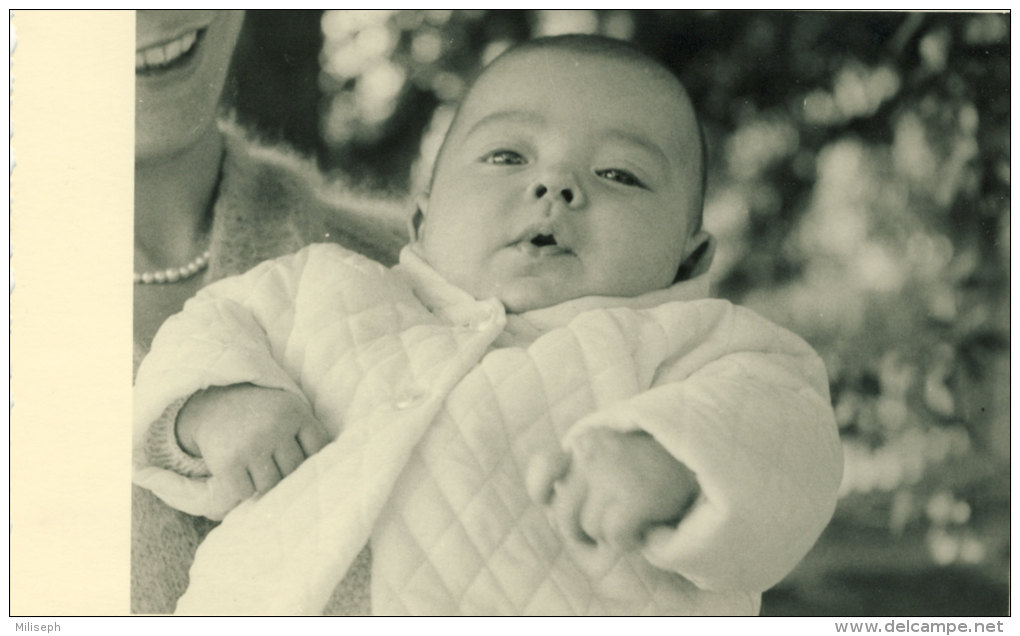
<point x="272" y="202"/>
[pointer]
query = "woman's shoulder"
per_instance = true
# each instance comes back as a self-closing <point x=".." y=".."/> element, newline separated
<point x="272" y="184"/>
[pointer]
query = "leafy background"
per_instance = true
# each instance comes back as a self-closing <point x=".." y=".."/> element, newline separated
<point x="859" y="188"/>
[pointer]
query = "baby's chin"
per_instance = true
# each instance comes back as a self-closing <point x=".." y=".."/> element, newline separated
<point x="520" y="298"/>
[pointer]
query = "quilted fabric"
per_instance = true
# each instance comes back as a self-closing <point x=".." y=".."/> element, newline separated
<point x="438" y="402"/>
<point x="269" y="202"/>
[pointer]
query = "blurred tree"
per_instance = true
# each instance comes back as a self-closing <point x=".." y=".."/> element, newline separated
<point x="276" y="73"/>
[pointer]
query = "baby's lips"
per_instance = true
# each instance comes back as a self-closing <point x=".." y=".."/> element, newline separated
<point x="531" y="249"/>
<point x="542" y="244"/>
<point x="548" y="228"/>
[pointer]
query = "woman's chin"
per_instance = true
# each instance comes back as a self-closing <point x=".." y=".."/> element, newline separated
<point x="158" y="140"/>
<point x="178" y="84"/>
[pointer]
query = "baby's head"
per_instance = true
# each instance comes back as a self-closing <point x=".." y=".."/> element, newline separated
<point x="574" y="167"/>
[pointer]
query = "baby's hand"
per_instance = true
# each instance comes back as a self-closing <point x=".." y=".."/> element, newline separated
<point x="250" y="437"/>
<point x="615" y="488"/>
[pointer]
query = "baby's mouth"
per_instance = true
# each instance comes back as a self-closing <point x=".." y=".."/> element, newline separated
<point x="542" y="244"/>
<point x="161" y="57"/>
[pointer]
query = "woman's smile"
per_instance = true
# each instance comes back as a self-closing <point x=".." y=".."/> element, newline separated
<point x="163" y="56"/>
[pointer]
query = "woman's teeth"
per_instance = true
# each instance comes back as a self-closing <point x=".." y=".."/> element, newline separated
<point x="163" y="55"/>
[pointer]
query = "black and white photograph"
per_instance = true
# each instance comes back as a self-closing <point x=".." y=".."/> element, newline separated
<point x="507" y="312"/>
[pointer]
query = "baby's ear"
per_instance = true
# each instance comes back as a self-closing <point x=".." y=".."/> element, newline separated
<point x="700" y="252"/>
<point x="414" y="223"/>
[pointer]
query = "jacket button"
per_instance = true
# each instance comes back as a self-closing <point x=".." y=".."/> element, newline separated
<point x="409" y="399"/>
<point x="484" y="321"/>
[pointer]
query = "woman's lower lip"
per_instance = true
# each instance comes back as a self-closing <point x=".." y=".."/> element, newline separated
<point x="161" y="58"/>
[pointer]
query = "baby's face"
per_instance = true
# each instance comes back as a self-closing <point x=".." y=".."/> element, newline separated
<point x="564" y="175"/>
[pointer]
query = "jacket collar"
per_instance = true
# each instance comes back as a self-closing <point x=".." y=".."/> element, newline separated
<point x="450" y="302"/>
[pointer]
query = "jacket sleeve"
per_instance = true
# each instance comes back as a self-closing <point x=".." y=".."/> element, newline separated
<point x="237" y="330"/>
<point x="747" y="410"/>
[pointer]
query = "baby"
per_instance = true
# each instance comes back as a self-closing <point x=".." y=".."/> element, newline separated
<point x="536" y="411"/>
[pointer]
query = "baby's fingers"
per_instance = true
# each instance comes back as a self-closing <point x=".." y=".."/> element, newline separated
<point x="609" y="523"/>
<point x="543" y="471"/>
<point x="264" y="474"/>
<point x="620" y="529"/>
<point x="312" y="436"/>
<point x="288" y="457"/>
<point x="568" y="498"/>
<point x="238" y="481"/>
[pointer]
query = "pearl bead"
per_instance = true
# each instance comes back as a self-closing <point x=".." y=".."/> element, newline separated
<point x="174" y="274"/>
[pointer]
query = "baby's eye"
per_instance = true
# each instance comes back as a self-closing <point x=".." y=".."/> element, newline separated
<point x="620" y="176"/>
<point x="504" y="158"/>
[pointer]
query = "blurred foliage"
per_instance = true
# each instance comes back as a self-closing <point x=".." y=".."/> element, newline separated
<point x="859" y="189"/>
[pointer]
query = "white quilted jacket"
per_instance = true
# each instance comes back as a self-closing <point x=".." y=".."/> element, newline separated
<point x="438" y="401"/>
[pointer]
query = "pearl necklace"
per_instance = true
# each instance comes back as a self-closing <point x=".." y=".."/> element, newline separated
<point x="174" y="274"/>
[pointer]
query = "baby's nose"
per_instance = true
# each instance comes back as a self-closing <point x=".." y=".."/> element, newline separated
<point x="564" y="188"/>
<point x="541" y="190"/>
